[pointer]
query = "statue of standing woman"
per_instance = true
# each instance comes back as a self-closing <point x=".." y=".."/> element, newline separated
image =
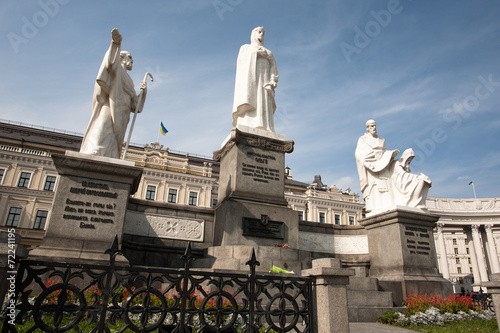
<point x="114" y="99"/>
<point x="256" y="78"/>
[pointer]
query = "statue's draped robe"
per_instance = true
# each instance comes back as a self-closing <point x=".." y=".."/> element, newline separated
<point x="410" y="190"/>
<point x="114" y="99"/>
<point x="254" y="105"/>
<point x="374" y="183"/>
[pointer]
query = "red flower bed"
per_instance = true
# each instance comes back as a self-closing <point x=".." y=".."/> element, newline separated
<point x="453" y="303"/>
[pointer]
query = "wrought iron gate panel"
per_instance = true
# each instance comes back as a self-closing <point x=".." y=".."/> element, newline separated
<point x="59" y="297"/>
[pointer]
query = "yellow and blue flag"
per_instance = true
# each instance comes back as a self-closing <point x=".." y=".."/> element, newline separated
<point x="163" y="130"/>
<point x="471" y="183"/>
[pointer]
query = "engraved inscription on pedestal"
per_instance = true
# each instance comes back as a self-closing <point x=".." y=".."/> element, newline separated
<point x="263" y="227"/>
<point x="261" y="168"/>
<point x="417" y="240"/>
<point x="84" y="204"/>
<point x="164" y="226"/>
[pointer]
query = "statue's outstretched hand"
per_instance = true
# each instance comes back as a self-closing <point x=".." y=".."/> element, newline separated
<point x="143" y="85"/>
<point x="116" y="36"/>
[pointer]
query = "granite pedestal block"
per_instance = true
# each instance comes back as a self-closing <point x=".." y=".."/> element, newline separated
<point x="252" y="209"/>
<point x="252" y="167"/>
<point x="403" y="254"/>
<point x="240" y="222"/>
<point x="89" y="207"/>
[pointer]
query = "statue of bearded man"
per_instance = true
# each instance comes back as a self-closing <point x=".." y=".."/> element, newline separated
<point x="256" y="78"/>
<point x="114" y="99"/>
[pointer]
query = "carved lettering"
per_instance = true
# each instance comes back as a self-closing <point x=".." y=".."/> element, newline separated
<point x="414" y="240"/>
<point x="86" y="226"/>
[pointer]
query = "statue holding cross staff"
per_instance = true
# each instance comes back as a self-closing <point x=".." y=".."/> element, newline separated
<point x="114" y="99"/>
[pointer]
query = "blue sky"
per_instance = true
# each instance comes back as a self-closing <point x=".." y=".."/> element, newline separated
<point x="427" y="71"/>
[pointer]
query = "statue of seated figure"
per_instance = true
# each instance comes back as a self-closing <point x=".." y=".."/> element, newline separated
<point x="385" y="182"/>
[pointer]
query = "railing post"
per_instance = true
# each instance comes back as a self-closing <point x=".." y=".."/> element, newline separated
<point x="187" y="257"/>
<point x="252" y="262"/>
<point x="330" y="295"/>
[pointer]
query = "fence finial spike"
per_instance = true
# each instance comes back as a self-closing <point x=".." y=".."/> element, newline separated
<point x="188" y="254"/>
<point x="114" y="250"/>
<point x="252" y="262"/>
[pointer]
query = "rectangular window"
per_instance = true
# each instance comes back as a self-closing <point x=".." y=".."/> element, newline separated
<point x="40" y="219"/>
<point x="50" y="182"/>
<point x="470" y="269"/>
<point x="470" y="262"/>
<point x="2" y="171"/>
<point x="454" y="241"/>
<point x="351" y="220"/>
<point x="150" y="192"/>
<point x="301" y="215"/>
<point x="457" y="260"/>
<point x="24" y="179"/>
<point x="13" y="217"/>
<point x="459" y="270"/>
<point x="461" y="280"/>
<point x="455" y="250"/>
<point x="172" y="195"/>
<point x="467" y="250"/>
<point x="321" y="217"/>
<point x="337" y="219"/>
<point x="214" y="203"/>
<point x="193" y="198"/>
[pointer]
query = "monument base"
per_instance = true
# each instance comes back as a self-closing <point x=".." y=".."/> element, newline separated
<point x="235" y="257"/>
<point x="239" y="222"/>
<point x="403" y="254"/>
<point x="252" y="210"/>
<point x="89" y="207"/>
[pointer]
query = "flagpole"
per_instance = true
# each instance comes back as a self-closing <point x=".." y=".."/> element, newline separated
<point x="474" y="189"/>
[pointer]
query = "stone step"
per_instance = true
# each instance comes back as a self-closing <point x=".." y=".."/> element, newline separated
<point x="369" y="314"/>
<point x="369" y="298"/>
<point x="363" y="283"/>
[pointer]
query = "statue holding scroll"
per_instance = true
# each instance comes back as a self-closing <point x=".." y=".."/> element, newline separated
<point x="114" y="99"/>
<point x="386" y="182"/>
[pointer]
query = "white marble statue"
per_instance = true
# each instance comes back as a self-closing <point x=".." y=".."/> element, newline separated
<point x="409" y="190"/>
<point x="114" y="99"/>
<point x="385" y="182"/>
<point x="256" y="79"/>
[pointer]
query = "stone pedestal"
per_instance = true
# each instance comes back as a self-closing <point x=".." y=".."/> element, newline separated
<point x="252" y="209"/>
<point x="403" y="254"/>
<point x="330" y="294"/>
<point x="494" y="289"/>
<point x="89" y="207"/>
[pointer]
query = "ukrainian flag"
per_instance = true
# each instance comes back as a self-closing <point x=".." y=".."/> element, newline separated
<point x="471" y="183"/>
<point x="163" y="130"/>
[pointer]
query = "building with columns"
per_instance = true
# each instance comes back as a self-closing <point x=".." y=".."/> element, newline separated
<point x="466" y="237"/>
<point x="466" y="234"/>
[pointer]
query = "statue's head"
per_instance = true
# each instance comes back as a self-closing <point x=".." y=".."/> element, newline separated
<point x="371" y="127"/>
<point x="258" y="35"/>
<point x="406" y="159"/>
<point x="127" y="60"/>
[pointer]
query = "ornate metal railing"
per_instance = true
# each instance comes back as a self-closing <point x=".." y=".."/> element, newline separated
<point x="56" y="297"/>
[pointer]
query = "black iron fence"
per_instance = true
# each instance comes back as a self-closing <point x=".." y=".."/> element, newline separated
<point x="57" y="297"/>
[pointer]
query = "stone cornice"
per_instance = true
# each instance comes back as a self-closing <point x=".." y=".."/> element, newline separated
<point x="463" y="207"/>
<point x="10" y="190"/>
<point x="399" y="216"/>
<point x="253" y="140"/>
